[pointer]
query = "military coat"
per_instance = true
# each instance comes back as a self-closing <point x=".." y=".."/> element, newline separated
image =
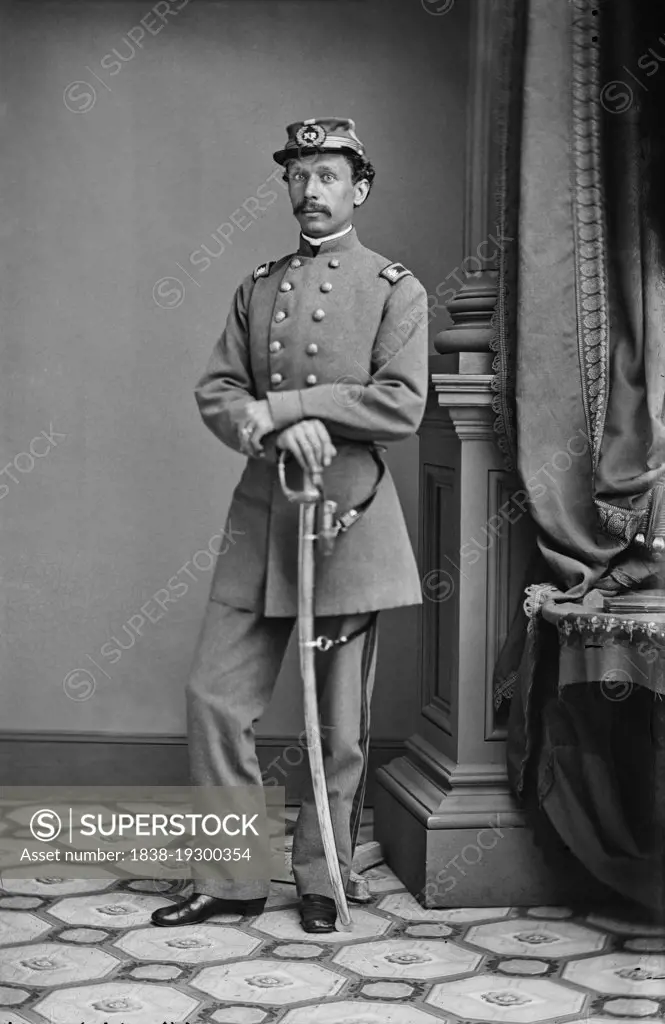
<point x="340" y="336"/>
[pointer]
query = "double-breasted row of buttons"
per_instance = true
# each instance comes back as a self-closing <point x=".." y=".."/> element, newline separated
<point x="317" y="315"/>
<point x="310" y="379"/>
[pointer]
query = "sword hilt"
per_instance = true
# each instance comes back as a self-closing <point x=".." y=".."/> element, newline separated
<point x="312" y="489"/>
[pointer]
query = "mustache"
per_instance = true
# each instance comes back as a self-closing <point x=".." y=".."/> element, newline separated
<point x="306" y="207"/>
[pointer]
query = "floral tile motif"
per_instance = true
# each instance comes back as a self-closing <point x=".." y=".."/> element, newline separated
<point x="490" y="998"/>
<point x="116" y="910"/>
<point x="75" y="950"/>
<point x="44" y="964"/>
<point x="129" y="1002"/>
<point x="532" y="937"/>
<point x="192" y="944"/>
<point x="264" y="981"/>
<point x="407" y="958"/>
<point x="624" y="974"/>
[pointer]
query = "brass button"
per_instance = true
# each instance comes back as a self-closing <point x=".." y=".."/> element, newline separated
<point x="326" y="286"/>
<point x="312" y="349"/>
<point x="279" y="316"/>
<point x="275" y="346"/>
<point x="285" y="286"/>
<point x="318" y="314"/>
<point x="334" y="262"/>
<point x="276" y="378"/>
<point x="296" y="263"/>
<point x="311" y="379"/>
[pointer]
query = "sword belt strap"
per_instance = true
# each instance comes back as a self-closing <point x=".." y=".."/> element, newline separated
<point x="344" y="521"/>
<point x="324" y="643"/>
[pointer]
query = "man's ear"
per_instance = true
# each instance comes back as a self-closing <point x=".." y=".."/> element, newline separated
<point x="361" y="191"/>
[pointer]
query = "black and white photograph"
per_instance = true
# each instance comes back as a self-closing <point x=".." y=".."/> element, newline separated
<point x="332" y="511"/>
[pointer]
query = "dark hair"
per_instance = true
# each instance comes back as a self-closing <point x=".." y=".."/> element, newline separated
<point x="361" y="169"/>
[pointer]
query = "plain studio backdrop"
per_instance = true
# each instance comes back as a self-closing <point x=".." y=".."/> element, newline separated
<point x="123" y="155"/>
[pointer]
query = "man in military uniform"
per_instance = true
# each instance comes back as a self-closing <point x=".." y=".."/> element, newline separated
<point x="324" y="355"/>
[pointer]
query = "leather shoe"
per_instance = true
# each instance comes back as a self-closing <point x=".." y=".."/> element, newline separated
<point x="317" y="913"/>
<point x="199" y="907"/>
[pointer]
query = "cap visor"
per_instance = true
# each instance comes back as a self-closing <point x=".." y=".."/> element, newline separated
<point x="282" y="155"/>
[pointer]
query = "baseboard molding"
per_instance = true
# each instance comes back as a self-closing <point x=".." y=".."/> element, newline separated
<point x="104" y="759"/>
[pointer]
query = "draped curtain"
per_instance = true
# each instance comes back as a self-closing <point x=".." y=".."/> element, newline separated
<point x="579" y="398"/>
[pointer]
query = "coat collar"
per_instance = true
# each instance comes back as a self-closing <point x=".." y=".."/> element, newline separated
<point x="348" y="241"/>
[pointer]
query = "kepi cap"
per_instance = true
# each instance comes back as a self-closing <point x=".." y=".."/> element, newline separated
<point x="330" y="134"/>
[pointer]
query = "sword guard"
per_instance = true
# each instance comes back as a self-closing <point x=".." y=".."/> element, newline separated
<point x="312" y="490"/>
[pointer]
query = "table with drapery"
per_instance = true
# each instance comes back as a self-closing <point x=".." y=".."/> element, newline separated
<point x="579" y="340"/>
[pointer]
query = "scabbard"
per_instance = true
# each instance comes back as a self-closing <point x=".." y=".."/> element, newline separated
<point x="306" y="584"/>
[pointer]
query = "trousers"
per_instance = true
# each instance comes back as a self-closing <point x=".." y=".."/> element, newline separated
<point x="236" y="665"/>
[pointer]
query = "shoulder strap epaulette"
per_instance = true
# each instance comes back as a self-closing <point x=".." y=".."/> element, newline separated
<point x="263" y="270"/>
<point x="394" y="272"/>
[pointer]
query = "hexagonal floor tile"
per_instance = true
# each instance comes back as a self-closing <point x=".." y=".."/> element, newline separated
<point x="645" y="944"/>
<point x="489" y="998"/>
<point x="133" y="1002"/>
<point x="20" y="926"/>
<point x="631" y="1007"/>
<point x="285" y="924"/>
<point x="620" y="974"/>
<point x="407" y="958"/>
<point x="192" y="944"/>
<point x="406" y="906"/>
<point x="52" y="886"/>
<point x="238" y="1015"/>
<point x="388" y="990"/>
<point x="532" y="937"/>
<point x="12" y="996"/>
<point x="554" y="912"/>
<point x="44" y="964"/>
<point x="265" y="981"/>
<point x="115" y="910"/>
<point x="156" y="972"/>
<point x="356" y="1011"/>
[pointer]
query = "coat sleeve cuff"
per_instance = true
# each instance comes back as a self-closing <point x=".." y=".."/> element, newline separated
<point x="285" y="408"/>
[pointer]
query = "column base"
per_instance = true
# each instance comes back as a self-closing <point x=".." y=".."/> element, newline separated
<point x="484" y="857"/>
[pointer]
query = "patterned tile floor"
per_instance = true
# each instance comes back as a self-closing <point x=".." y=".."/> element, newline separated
<point x="84" y="952"/>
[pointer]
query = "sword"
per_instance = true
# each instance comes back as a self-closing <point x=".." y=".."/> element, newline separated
<point x="308" y="500"/>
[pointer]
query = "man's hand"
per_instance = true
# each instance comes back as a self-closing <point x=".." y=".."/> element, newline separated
<point x="309" y="442"/>
<point x="257" y="423"/>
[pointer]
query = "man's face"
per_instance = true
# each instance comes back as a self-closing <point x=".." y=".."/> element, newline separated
<point x="322" y="193"/>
